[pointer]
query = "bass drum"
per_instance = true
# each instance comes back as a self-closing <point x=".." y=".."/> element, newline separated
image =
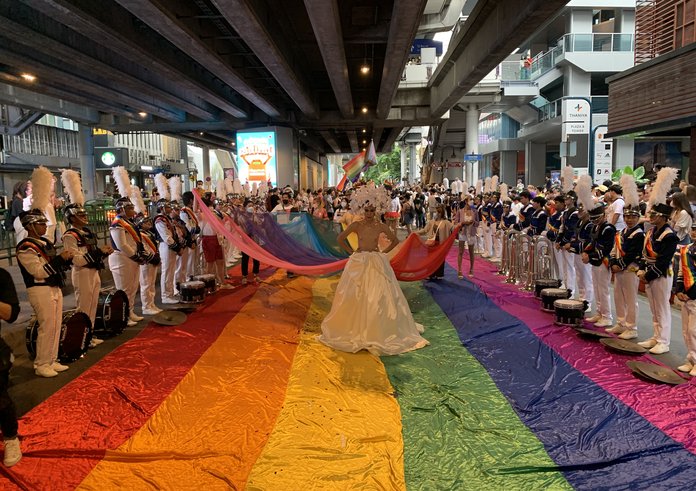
<point x="75" y="335"/>
<point x="113" y="311"/>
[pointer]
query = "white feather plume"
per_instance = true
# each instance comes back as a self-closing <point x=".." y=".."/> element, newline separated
<point x="663" y="183"/>
<point x="487" y="185"/>
<point x="504" y="196"/>
<point x="175" y="188"/>
<point x="122" y="181"/>
<point x="73" y="186"/>
<point x="41" y="185"/>
<point x="567" y="175"/>
<point x="465" y="187"/>
<point x="237" y="186"/>
<point x="263" y="189"/>
<point x="247" y="190"/>
<point x="630" y="190"/>
<point x="479" y="186"/>
<point x="136" y="198"/>
<point x="583" y="188"/>
<point x="494" y="183"/>
<point x="229" y="186"/>
<point x="162" y="186"/>
<point x="255" y="189"/>
<point x="220" y="189"/>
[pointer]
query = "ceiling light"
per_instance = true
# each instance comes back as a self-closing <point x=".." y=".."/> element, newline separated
<point x="365" y="69"/>
<point x="28" y="77"/>
<point x="364" y="110"/>
<point x="142" y="114"/>
<point x="200" y="133"/>
<point x="364" y="130"/>
<point x="364" y="142"/>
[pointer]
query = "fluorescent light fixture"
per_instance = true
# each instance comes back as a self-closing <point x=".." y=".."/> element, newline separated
<point x="145" y="167"/>
<point x="28" y="77"/>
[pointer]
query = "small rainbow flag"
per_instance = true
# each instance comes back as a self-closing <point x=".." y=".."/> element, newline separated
<point x="355" y="166"/>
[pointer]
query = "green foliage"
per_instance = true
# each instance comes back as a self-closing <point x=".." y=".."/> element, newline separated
<point x="388" y="167"/>
<point x="637" y="174"/>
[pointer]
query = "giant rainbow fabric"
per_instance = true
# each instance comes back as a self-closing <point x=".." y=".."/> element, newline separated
<point x="242" y="396"/>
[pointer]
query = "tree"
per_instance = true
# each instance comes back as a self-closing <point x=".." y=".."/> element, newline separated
<point x="388" y="167"/>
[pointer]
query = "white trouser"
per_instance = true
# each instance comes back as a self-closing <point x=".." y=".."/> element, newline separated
<point x="626" y="299"/>
<point x="488" y="239"/>
<point x="584" y="278"/>
<point x="87" y="284"/>
<point x="480" y="232"/>
<point x="497" y="241"/>
<point x="181" y="266"/>
<point x="688" y="315"/>
<point x="125" y="273"/>
<point x="658" y="292"/>
<point x="47" y="302"/>
<point x="193" y="261"/>
<point x="569" y="271"/>
<point x="601" y="281"/>
<point x="560" y="263"/>
<point x="148" y="277"/>
<point x="168" y="258"/>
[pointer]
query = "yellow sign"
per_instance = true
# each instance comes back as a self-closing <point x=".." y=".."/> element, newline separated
<point x="99" y="131"/>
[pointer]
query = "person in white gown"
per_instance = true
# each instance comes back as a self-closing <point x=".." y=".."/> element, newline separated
<point x="369" y="310"/>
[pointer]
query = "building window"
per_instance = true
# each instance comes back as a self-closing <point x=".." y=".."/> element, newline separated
<point x="684" y="23"/>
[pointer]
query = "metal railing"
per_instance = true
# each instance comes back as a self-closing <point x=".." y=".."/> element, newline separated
<point x="598" y="42"/>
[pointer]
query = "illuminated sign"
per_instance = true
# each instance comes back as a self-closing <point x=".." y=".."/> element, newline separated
<point x="108" y="158"/>
<point x="256" y="157"/>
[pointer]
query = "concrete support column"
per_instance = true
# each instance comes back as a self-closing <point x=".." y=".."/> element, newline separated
<point x="87" y="165"/>
<point x="472" y="136"/>
<point x="412" y="164"/>
<point x="206" y="168"/>
<point x="183" y="152"/>
<point x="508" y="167"/>
<point x="534" y="163"/>
<point x="623" y="152"/>
<point x="404" y="162"/>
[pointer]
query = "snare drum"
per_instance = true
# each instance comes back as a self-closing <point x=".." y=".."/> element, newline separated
<point x="550" y="295"/>
<point x="112" y="313"/>
<point x="75" y="335"/>
<point x="209" y="280"/>
<point x="192" y="292"/>
<point x="547" y="283"/>
<point x="569" y="312"/>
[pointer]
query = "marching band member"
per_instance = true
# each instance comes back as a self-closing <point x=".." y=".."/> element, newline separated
<point x="553" y="234"/>
<point x="580" y="239"/>
<point x="190" y="220"/>
<point x="625" y="256"/>
<point x="127" y="255"/>
<point x="597" y="253"/>
<point x="496" y="222"/>
<point x="183" y="237"/>
<point x="525" y="212"/>
<point x="686" y="292"/>
<point x="43" y="271"/>
<point x="148" y="270"/>
<point x="656" y="266"/>
<point x="569" y="225"/>
<point x="88" y="259"/>
<point x="538" y="219"/>
<point x="486" y="207"/>
<point x="9" y="310"/>
<point x="169" y="249"/>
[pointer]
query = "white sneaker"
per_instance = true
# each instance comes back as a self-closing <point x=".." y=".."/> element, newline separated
<point x="45" y="371"/>
<point x="169" y="300"/>
<point x="604" y="322"/>
<point x="131" y="323"/>
<point x="151" y="311"/>
<point x="629" y="334"/>
<point x="686" y="367"/>
<point x="13" y="453"/>
<point x="244" y="281"/>
<point x="659" y="348"/>
<point x="58" y="367"/>
<point x="648" y="343"/>
<point x="135" y="317"/>
<point x="594" y="318"/>
<point x="96" y="341"/>
<point x="226" y="286"/>
<point x="615" y="329"/>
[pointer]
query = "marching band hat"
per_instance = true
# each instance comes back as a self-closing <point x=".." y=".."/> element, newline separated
<point x="122" y="203"/>
<point x="597" y="211"/>
<point x="32" y="216"/>
<point x="631" y="210"/>
<point x="662" y="210"/>
<point x="73" y="209"/>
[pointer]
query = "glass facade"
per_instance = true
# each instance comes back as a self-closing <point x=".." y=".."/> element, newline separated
<point x="496" y="127"/>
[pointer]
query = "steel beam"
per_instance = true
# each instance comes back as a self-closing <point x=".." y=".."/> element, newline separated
<point x="326" y="23"/>
<point x="326" y="135"/>
<point x="113" y="28"/>
<point x="406" y="16"/>
<point x="27" y="36"/>
<point x="38" y="102"/>
<point x="21" y="123"/>
<point x="492" y="31"/>
<point x="391" y="138"/>
<point x="244" y="20"/>
<point x="153" y="13"/>
<point x="377" y="136"/>
<point x="173" y="127"/>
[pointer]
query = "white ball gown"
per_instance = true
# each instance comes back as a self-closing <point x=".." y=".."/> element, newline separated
<point x="369" y="310"/>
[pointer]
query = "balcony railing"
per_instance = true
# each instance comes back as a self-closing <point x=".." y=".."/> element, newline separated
<point x="597" y="42"/>
<point x="554" y="109"/>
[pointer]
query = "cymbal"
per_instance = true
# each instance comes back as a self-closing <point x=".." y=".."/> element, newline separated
<point x="592" y="333"/>
<point x="623" y="345"/>
<point x="656" y="373"/>
<point x="170" y="318"/>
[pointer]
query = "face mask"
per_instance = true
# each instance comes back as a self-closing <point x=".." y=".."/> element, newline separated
<point x="250" y="210"/>
<point x="344" y="204"/>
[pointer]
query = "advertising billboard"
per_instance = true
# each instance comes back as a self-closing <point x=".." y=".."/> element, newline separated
<point x="256" y="157"/>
